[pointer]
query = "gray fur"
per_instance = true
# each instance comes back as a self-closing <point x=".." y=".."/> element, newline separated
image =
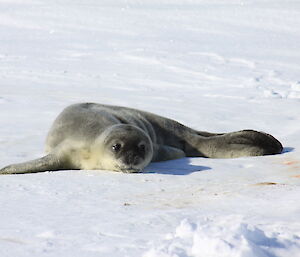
<point x="83" y="136"/>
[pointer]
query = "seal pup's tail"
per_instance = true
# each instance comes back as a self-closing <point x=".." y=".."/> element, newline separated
<point x="47" y="163"/>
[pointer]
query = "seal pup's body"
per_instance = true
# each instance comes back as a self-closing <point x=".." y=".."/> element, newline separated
<point x="96" y="136"/>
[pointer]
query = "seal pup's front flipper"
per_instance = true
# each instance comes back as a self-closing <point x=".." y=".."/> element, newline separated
<point x="165" y="153"/>
<point x="47" y="163"/>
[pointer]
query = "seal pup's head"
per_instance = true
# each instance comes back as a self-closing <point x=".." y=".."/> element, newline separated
<point x="126" y="148"/>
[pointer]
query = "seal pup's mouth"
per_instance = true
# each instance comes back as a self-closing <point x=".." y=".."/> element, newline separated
<point x="129" y="170"/>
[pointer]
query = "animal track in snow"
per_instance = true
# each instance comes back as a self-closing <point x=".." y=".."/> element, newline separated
<point x="272" y="85"/>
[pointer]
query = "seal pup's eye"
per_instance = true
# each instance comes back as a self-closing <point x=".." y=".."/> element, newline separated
<point x="116" y="147"/>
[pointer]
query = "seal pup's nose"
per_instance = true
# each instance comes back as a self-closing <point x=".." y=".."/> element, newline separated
<point x="131" y="159"/>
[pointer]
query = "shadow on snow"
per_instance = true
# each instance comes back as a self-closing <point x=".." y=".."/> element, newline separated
<point x="174" y="167"/>
<point x="288" y="149"/>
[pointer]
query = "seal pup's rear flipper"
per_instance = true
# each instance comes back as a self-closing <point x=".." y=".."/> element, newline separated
<point x="234" y="144"/>
<point x="47" y="163"/>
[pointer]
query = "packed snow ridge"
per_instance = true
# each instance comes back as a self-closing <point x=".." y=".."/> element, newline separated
<point x="226" y="237"/>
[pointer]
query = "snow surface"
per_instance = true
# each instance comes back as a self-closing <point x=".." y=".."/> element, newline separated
<point x="215" y="65"/>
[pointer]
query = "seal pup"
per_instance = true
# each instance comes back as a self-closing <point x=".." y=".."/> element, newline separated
<point x="103" y="137"/>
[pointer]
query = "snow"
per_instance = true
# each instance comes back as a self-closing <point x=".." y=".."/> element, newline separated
<point x="228" y="236"/>
<point x="214" y="65"/>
